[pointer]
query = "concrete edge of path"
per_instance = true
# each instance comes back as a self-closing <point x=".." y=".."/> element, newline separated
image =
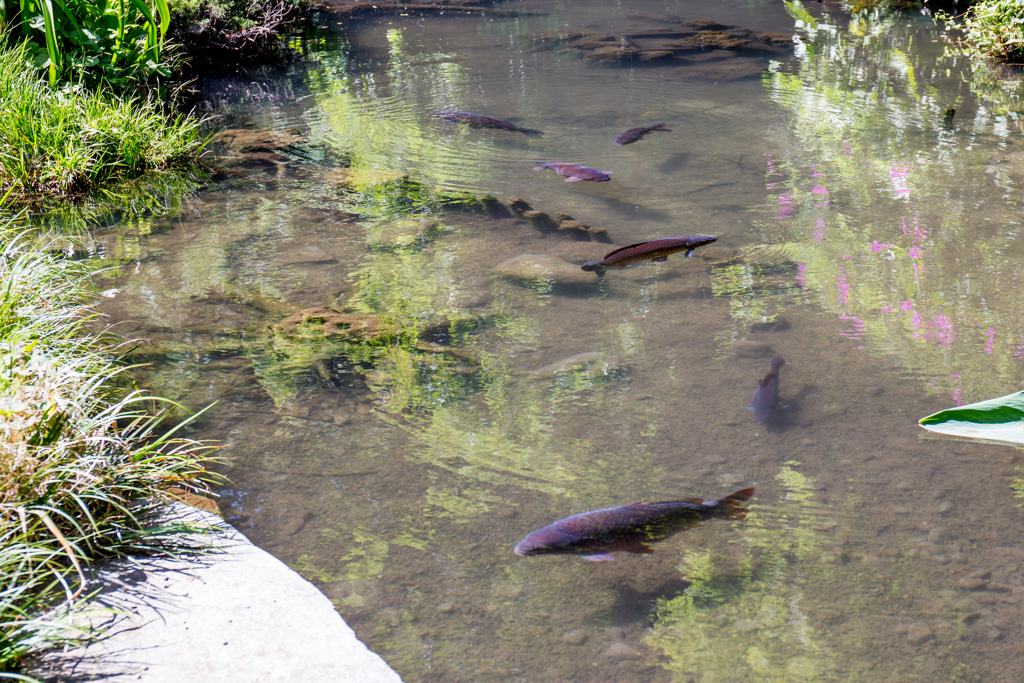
<point x="238" y="614"/>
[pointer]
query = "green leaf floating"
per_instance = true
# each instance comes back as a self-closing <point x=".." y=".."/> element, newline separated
<point x="997" y="419"/>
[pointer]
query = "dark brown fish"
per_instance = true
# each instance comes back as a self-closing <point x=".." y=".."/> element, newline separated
<point x="595" y="535"/>
<point x="478" y="121"/>
<point x="634" y="134"/>
<point x="574" y="172"/>
<point x="654" y="250"/>
<point x="766" y="395"/>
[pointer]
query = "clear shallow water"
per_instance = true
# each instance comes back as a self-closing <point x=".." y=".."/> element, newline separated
<point x="864" y="236"/>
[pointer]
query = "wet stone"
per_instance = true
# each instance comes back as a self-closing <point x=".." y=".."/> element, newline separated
<point x="543" y="269"/>
<point x="620" y="650"/>
<point x="295" y="525"/>
<point x="540" y="221"/>
<point x="446" y="607"/>
<point x="575" y="637"/>
<point x="575" y="230"/>
<point x="247" y="140"/>
<point x="519" y="206"/>
<point x="779" y="324"/>
<point x="745" y="348"/>
<point x="919" y="634"/>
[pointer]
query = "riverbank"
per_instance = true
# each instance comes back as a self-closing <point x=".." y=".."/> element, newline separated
<point x="235" y="613"/>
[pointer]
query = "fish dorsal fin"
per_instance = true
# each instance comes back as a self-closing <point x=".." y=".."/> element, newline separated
<point x="639" y="503"/>
<point x="630" y="246"/>
<point x="695" y="501"/>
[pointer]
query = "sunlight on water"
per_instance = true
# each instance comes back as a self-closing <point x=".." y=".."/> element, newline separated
<point x="409" y="381"/>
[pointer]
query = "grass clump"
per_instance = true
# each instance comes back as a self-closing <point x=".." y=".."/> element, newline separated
<point x="82" y="465"/>
<point x="992" y="28"/>
<point x="60" y="143"/>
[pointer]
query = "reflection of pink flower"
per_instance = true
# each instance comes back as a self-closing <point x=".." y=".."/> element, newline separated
<point x="785" y="210"/>
<point x="819" y="190"/>
<point x="939" y="330"/>
<point x="801" y="274"/>
<point x="898" y="177"/>
<point x="915" y="251"/>
<point x="991" y="340"/>
<point x="886" y="309"/>
<point x="907" y="305"/>
<point x="819" y="230"/>
<point x="856" y="331"/>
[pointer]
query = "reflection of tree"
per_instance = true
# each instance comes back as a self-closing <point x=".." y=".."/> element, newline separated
<point x="878" y="199"/>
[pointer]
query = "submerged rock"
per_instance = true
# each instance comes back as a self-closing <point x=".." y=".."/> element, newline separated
<point x="324" y="323"/>
<point x="709" y="39"/>
<point x="248" y="140"/>
<point x="519" y="206"/>
<point x="404" y="234"/>
<point x="581" y="361"/>
<point x="534" y="269"/>
<point x="745" y="348"/>
<point x="540" y="221"/>
<point x="494" y="208"/>
<point x="360" y="179"/>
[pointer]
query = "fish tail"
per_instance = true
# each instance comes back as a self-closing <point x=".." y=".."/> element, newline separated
<point x="731" y="506"/>
<point x="532" y="133"/>
<point x="661" y="126"/>
<point x="541" y="165"/>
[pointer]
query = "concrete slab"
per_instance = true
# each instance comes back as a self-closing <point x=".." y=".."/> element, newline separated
<point x="240" y="616"/>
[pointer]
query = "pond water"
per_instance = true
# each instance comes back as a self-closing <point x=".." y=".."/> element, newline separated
<point x="864" y="183"/>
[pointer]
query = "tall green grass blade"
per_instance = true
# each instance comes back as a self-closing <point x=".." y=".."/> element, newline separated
<point x="52" y="46"/>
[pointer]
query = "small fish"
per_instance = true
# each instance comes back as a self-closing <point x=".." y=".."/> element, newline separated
<point x="572" y="172"/>
<point x="766" y="395"/>
<point x="634" y="134"/>
<point x="595" y="535"/>
<point x="478" y="121"/>
<point x="655" y="250"/>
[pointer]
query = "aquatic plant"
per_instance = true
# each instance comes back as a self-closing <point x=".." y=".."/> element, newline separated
<point x="84" y="463"/>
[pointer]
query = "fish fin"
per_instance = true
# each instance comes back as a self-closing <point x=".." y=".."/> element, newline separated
<point x="695" y="501"/>
<point x="616" y="251"/>
<point x="661" y="127"/>
<point x="539" y="167"/>
<point x="532" y="133"/>
<point x="689" y="253"/>
<point x="731" y="506"/>
<point x="573" y="179"/>
<point x="660" y="259"/>
<point x="598" y="557"/>
<point x="637" y="504"/>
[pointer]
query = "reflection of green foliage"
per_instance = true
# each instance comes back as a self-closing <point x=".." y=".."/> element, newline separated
<point x="992" y="29"/>
<point x="749" y="615"/>
<point x="863" y="202"/>
<point x="1018" y="488"/>
<point x="404" y="197"/>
